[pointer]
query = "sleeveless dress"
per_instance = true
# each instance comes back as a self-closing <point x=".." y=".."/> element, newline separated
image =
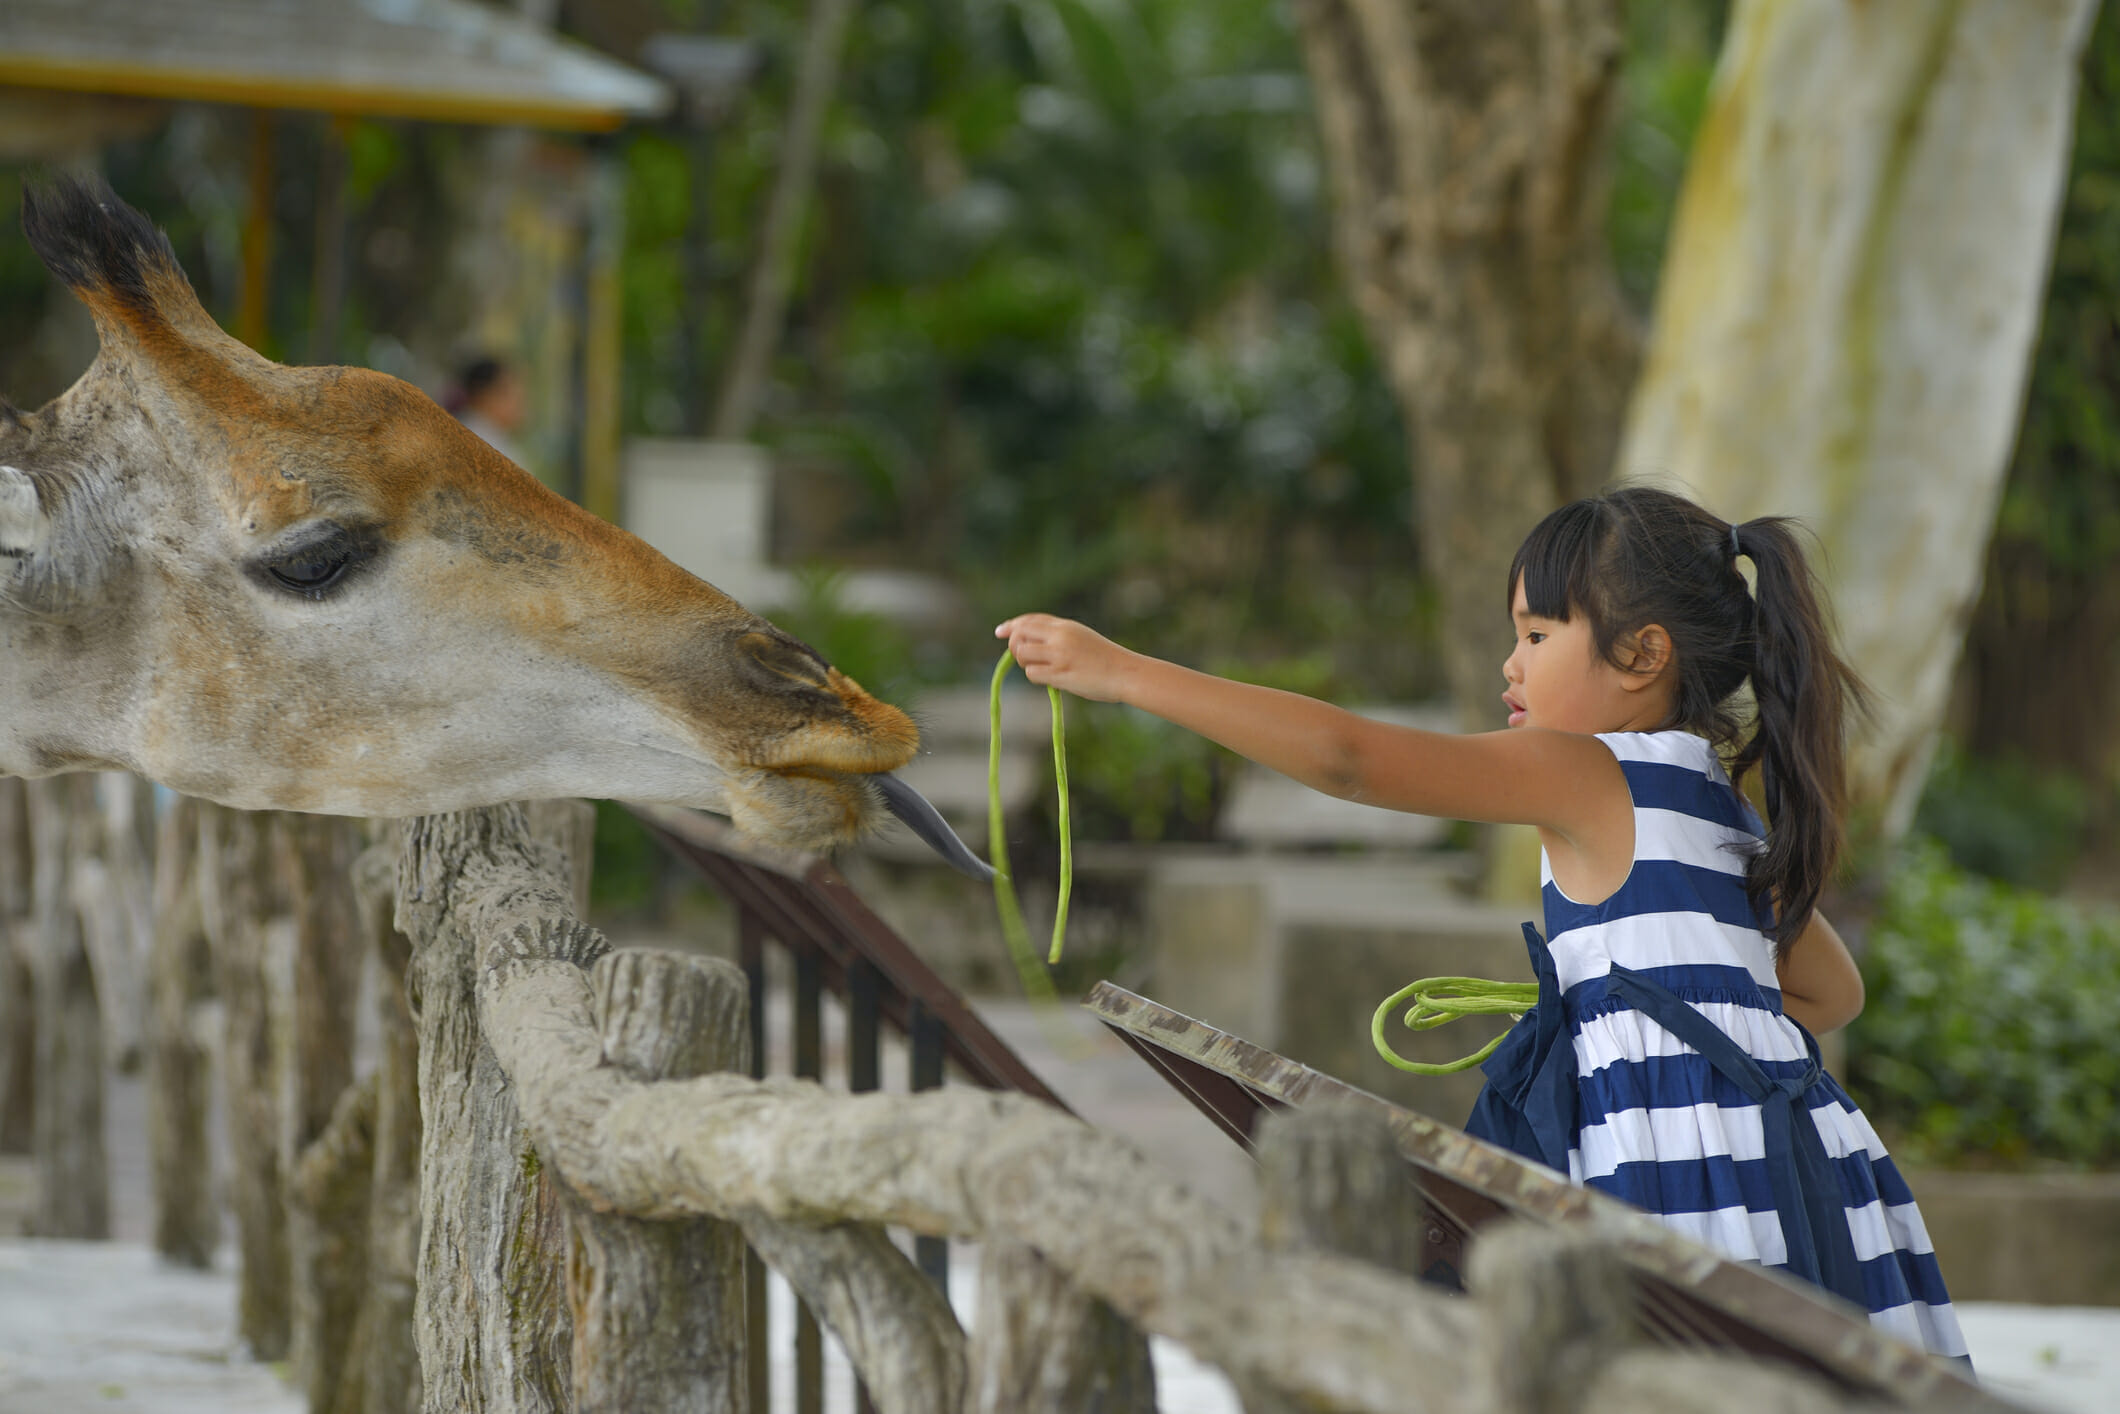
<point x="1658" y="1067"/>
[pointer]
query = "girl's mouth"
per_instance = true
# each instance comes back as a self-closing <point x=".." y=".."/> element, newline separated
<point x="1516" y="710"/>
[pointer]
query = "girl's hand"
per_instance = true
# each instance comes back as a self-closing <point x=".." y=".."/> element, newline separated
<point x="1061" y="653"/>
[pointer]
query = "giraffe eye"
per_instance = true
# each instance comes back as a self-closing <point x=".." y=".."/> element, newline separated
<point x="313" y="569"/>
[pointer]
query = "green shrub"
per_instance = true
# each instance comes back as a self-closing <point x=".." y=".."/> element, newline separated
<point x="1136" y="777"/>
<point x="1989" y="1032"/>
<point x="2005" y="819"/>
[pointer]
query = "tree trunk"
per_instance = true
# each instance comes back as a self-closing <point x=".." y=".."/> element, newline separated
<point x="1846" y="314"/>
<point x="1466" y="142"/>
<point x="179" y="1068"/>
<point x="18" y="981"/>
<point x="780" y="233"/>
<point x="236" y="896"/>
<point x="73" y="1174"/>
<point x="327" y="1211"/>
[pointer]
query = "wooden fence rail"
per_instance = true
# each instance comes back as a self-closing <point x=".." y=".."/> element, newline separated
<point x="540" y="1197"/>
<point x="539" y="1049"/>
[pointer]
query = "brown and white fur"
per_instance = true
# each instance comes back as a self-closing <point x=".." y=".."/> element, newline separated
<point x="312" y="589"/>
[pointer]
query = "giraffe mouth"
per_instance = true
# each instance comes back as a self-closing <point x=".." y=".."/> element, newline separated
<point x="926" y="821"/>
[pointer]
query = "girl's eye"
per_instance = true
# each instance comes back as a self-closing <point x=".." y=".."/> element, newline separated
<point x="1536" y="637"/>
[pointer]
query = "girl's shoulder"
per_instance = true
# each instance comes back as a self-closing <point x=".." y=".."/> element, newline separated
<point x="1671" y="748"/>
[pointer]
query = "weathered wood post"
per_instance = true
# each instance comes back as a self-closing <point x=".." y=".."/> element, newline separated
<point x="113" y="883"/>
<point x="1560" y="1332"/>
<point x="73" y="1176"/>
<point x="327" y="1148"/>
<point x="1331" y="1181"/>
<point x="489" y="1310"/>
<point x="1040" y="1345"/>
<point x="179" y="1068"/>
<point x="1557" y="1305"/>
<point x="659" y="1306"/>
<point x="18" y="984"/>
<point x="236" y="901"/>
<point x="382" y="1369"/>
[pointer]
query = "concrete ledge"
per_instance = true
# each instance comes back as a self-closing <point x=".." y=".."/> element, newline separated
<point x="2047" y="1239"/>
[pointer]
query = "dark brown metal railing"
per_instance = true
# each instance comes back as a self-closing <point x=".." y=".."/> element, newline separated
<point x="835" y="943"/>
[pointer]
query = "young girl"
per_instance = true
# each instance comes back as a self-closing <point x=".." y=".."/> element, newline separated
<point x="1669" y="1061"/>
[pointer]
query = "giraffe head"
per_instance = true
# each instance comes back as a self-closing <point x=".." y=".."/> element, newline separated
<point x="312" y="589"/>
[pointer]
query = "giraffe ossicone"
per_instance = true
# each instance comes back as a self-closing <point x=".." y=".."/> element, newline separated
<point x="312" y="589"/>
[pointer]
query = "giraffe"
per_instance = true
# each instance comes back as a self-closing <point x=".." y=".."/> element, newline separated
<point x="311" y="589"/>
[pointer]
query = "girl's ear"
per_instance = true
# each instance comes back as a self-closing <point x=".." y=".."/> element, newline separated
<point x="1648" y="653"/>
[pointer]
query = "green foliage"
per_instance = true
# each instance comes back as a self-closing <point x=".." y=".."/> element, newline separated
<point x="1988" y="1034"/>
<point x="2063" y="496"/>
<point x="2005" y="820"/>
<point x="1137" y="777"/>
<point x="628" y="860"/>
<point x="1067" y="320"/>
<point x="1670" y="61"/>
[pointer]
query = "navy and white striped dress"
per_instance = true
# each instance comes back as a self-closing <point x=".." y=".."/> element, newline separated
<point x="1657" y="1124"/>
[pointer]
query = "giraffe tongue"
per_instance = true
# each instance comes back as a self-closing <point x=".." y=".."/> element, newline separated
<point x="926" y="821"/>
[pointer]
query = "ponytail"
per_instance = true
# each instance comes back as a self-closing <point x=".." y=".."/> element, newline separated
<point x="1804" y="693"/>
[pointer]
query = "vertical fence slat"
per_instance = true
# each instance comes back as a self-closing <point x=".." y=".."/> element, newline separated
<point x="864" y="1070"/>
<point x="382" y="1373"/>
<point x="179" y="1070"/>
<point x="809" y="1065"/>
<point x="327" y="1215"/>
<point x="751" y="954"/>
<point x="73" y="1174"/>
<point x="924" y="1034"/>
<point x="18" y="983"/>
<point x="235" y="892"/>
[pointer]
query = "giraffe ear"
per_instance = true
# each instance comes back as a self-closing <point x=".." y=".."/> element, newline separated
<point x="23" y="525"/>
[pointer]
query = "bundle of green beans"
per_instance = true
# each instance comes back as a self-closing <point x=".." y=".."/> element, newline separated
<point x="1037" y="982"/>
<point x="1437" y="1001"/>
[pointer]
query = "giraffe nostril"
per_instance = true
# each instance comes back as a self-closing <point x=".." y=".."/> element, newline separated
<point x="787" y="658"/>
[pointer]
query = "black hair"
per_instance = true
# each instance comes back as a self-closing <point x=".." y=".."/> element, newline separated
<point x="1637" y="556"/>
<point x="479" y="375"/>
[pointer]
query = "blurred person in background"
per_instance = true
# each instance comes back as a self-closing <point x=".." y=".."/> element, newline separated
<point x="489" y="398"/>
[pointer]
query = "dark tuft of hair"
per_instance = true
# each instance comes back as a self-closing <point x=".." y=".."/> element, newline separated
<point x="92" y="240"/>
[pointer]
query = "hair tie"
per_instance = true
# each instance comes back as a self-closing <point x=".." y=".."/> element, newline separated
<point x="1735" y="548"/>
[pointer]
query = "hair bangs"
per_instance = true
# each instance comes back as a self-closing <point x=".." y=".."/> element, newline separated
<point x="1557" y="562"/>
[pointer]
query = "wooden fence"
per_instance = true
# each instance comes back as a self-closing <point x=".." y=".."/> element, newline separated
<point x="541" y="1196"/>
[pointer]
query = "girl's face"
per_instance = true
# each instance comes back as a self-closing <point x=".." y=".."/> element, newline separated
<point x="1558" y="679"/>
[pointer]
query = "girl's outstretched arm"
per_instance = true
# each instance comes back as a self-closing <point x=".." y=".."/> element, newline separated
<point x="1571" y="784"/>
<point x="1821" y="988"/>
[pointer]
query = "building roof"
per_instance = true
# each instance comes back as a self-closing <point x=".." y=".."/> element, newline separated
<point x="439" y="60"/>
